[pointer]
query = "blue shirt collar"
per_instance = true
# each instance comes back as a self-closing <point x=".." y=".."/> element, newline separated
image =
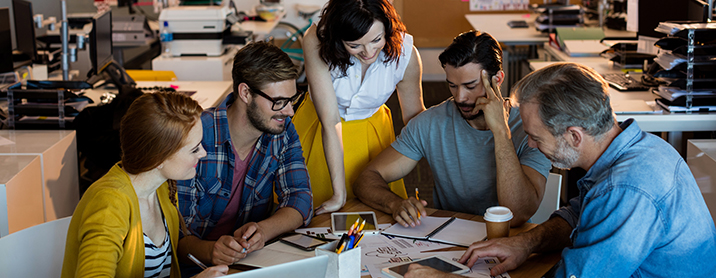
<point x="630" y="134"/>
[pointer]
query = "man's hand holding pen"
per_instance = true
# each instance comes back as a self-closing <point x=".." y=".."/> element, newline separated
<point x="229" y="250"/>
<point x="251" y="237"/>
<point x="409" y="211"/>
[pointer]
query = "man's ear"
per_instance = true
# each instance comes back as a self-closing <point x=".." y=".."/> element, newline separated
<point x="500" y="77"/>
<point x="244" y="93"/>
<point x="575" y="136"/>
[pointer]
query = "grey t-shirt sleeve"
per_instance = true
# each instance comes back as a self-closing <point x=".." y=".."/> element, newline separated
<point x="410" y="142"/>
<point x="529" y="157"/>
<point x="533" y="158"/>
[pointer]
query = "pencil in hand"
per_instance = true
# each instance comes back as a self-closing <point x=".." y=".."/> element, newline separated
<point x="196" y="261"/>
<point x="418" y="198"/>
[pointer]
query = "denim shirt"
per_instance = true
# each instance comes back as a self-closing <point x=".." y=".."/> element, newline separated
<point x="639" y="213"/>
<point x="277" y="166"/>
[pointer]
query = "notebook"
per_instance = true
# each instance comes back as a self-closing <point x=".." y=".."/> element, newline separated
<point x="307" y="268"/>
<point x="448" y="230"/>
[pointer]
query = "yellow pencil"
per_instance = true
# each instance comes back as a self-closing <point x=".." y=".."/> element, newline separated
<point x="359" y="239"/>
<point x="341" y="248"/>
<point x="361" y="226"/>
<point x="353" y="227"/>
<point x="417" y="198"/>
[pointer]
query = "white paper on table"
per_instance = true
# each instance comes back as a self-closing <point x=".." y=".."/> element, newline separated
<point x="5" y="141"/>
<point x="481" y="267"/>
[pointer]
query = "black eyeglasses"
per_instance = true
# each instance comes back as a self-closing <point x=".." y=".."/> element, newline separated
<point x="281" y="102"/>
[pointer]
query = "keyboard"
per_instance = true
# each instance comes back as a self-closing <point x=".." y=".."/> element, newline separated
<point x="624" y="82"/>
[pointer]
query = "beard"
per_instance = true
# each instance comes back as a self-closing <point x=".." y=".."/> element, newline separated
<point x="564" y="156"/>
<point x="261" y="123"/>
<point x="479" y="113"/>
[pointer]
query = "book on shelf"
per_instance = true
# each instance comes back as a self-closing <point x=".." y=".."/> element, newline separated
<point x="448" y="230"/>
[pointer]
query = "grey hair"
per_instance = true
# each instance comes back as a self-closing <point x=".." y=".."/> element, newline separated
<point x="568" y="94"/>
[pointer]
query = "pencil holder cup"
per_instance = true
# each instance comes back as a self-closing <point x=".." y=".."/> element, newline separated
<point x="347" y="264"/>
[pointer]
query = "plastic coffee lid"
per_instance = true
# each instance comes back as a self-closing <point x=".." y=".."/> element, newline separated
<point x="498" y="214"/>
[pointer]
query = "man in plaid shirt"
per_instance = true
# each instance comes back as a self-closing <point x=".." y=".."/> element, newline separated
<point x="252" y="152"/>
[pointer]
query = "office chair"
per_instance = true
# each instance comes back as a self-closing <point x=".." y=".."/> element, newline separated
<point x="37" y="251"/>
<point x="550" y="201"/>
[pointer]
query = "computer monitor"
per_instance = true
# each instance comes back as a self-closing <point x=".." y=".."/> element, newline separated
<point x="24" y="28"/>
<point x="698" y="10"/>
<point x="101" y="42"/>
<point x="673" y="10"/>
<point x="5" y="41"/>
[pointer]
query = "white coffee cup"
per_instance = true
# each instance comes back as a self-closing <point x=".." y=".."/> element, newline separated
<point x="498" y="221"/>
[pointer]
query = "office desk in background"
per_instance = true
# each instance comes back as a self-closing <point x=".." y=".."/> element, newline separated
<point x="519" y="44"/>
<point x="207" y="93"/>
<point x="535" y="266"/>
<point x="38" y="178"/>
<point x="260" y="29"/>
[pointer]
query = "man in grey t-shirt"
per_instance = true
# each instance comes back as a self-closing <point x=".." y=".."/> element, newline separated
<point x="461" y="139"/>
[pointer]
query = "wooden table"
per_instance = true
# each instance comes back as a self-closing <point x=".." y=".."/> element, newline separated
<point x="535" y="266"/>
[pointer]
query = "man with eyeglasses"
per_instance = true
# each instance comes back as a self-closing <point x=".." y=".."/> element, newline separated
<point x="474" y="143"/>
<point x="253" y="151"/>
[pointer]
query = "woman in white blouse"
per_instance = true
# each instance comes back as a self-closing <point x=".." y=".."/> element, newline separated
<point x="356" y="57"/>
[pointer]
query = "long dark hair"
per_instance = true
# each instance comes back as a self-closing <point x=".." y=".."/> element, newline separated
<point x="350" y="20"/>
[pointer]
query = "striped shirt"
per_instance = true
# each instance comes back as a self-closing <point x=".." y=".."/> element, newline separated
<point x="277" y="166"/>
<point x="158" y="260"/>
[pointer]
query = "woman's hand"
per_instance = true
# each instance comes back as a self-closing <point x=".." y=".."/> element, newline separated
<point x="333" y="204"/>
<point x="214" y="271"/>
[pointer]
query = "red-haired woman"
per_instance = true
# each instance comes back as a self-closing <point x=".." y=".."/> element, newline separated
<point x="127" y="223"/>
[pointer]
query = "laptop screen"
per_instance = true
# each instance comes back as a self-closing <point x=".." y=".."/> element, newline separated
<point x="307" y="268"/>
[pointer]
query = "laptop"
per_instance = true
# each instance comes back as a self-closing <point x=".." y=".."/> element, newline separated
<point x="314" y="267"/>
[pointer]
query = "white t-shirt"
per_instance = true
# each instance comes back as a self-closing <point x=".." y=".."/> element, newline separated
<point x="360" y="100"/>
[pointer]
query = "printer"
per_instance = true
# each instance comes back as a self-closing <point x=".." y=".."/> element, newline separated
<point x="196" y="30"/>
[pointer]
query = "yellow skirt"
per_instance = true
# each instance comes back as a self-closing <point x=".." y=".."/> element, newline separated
<point x="363" y="140"/>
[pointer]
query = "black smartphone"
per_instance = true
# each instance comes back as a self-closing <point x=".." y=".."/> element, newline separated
<point x="303" y="242"/>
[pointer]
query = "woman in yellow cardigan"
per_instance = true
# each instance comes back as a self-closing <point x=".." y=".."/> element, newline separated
<point x="127" y="224"/>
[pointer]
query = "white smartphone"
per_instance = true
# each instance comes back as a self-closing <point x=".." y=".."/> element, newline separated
<point x="341" y="222"/>
<point x="437" y="262"/>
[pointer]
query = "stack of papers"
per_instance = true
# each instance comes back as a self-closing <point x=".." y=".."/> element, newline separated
<point x="672" y="28"/>
<point x="673" y="93"/>
<point x="675" y="108"/>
